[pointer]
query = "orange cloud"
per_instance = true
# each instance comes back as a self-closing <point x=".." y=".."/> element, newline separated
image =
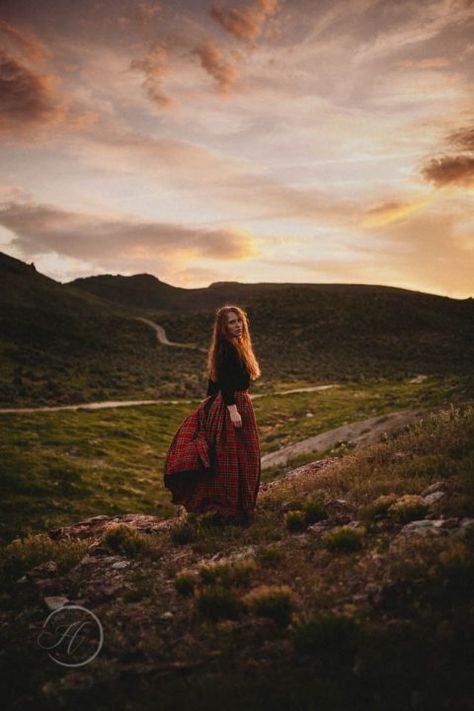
<point x="245" y="23"/>
<point x="214" y="63"/>
<point x="390" y="211"/>
<point x="26" y="98"/>
<point x="45" y="229"/>
<point x="29" y="46"/>
<point x="154" y="67"/>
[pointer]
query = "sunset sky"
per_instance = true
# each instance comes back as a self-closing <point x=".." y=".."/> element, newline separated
<point x="263" y="140"/>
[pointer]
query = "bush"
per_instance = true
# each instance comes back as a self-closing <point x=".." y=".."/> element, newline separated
<point x="272" y="601"/>
<point x="314" y="510"/>
<point x="344" y="539"/>
<point x="380" y="506"/>
<point x="216" y="602"/>
<point x="22" y="554"/>
<point x="127" y="541"/>
<point x="185" y="533"/>
<point x="332" y="638"/>
<point x="227" y="574"/>
<point x="269" y="557"/>
<point x="295" y="521"/>
<point x="184" y="584"/>
<point x="410" y="507"/>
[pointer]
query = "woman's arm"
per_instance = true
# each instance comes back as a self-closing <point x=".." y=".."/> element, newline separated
<point x="227" y="372"/>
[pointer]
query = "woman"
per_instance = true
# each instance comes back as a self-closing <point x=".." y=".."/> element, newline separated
<point x="213" y="463"/>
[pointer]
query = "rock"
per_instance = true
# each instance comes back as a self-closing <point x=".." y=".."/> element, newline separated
<point x="121" y="564"/>
<point x="321" y="526"/>
<point x="423" y="526"/>
<point x="434" y="496"/>
<point x="167" y="615"/>
<point x="437" y="486"/>
<point x="289" y="506"/>
<point x="466" y="522"/>
<point x="418" y="378"/>
<point x="55" y="601"/>
<point x="336" y="507"/>
<point x="50" y="567"/>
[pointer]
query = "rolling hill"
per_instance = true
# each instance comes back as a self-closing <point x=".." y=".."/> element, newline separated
<point x="72" y="342"/>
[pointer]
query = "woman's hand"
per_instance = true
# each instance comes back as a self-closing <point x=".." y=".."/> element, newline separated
<point x="235" y="415"/>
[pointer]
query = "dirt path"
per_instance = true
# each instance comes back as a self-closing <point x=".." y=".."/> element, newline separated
<point x="163" y="338"/>
<point x="357" y="433"/>
<point x="129" y="403"/>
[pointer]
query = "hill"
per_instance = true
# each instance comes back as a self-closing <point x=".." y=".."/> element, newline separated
<point x="352" y="588"/>
<point x="63" y="343"/>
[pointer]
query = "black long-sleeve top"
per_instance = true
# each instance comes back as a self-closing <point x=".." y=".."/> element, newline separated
<point x="231" y="374"/>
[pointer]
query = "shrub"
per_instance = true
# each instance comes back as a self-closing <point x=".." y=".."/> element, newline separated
<point x="216" y="602"/>
<point x="127" y="541"/>
<point x="314" y="510"/>
<point x="227" y="574"/>
<point x="22" y="554"/>
<point x="184" y="584"/>
<point x="331" y="637"/>
<point x="272" y="601"/>
<point x="269" y="557"/>
<point x="295" y="521"/>
<point x="380" y="506"/>
<point x="344" y="538"/>
<point x="409" y="508"/>
<point x="185" y="533"/>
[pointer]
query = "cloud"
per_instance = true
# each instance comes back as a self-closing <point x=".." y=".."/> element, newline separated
<point x="104" y="239"/>
<point x="29" y="46"/>
<point x="432" y="252"/>
<point x="424" y="63"/>
<point x="154" y="67"/>
<point x="247" y="22"/>
<point x="450" y="171"/>
<point x="214" y="63"/>
<point x="27" y="98"/>
<point x="462" y="138"/>
<point x="457" y="169"/>
<point x="390" y="211"/>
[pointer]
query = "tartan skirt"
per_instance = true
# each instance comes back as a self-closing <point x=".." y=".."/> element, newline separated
<point x="212" y="465"/>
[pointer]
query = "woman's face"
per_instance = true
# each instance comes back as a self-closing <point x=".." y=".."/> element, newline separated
<point x="235" y="325"/>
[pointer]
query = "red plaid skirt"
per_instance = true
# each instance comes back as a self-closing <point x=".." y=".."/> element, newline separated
<point x="212" y="465"/>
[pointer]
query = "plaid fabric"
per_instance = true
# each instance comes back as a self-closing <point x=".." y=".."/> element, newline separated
<point x="212" y="465"/>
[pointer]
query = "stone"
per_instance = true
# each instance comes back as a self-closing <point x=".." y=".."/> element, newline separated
<point x="437" y="486"/>
<point x="423" y="526"/>
<point x="434" y="496"/>
<point x="54" y="602"/>
<point x="166" y="615"/>
<point x="120" y="564"/>
<point x="42" y="570"/>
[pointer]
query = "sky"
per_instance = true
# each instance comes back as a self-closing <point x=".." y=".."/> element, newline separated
<point x="314" y="141"/>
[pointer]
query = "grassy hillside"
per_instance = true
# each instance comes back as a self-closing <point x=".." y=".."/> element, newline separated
<point x="59" y="467"/>
<point x="67" y="343"/>
<point x="332" y="599"/>
<point x="60" y="345"/>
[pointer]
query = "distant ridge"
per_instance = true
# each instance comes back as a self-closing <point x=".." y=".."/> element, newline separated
<point x="79" y="341"/>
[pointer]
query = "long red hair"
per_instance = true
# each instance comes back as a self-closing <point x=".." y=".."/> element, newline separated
<point x="243" y="344"/>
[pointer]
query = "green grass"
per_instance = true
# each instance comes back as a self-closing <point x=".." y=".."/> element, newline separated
<point x="59" y="467"/>
<point x="388" y="625"/>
